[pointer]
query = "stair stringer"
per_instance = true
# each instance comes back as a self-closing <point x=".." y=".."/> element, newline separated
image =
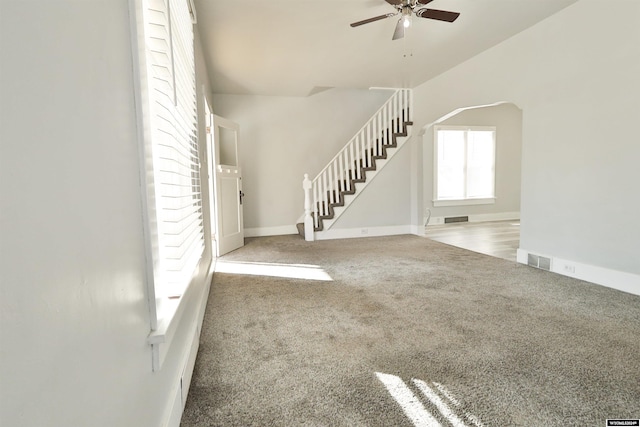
<point x="349" y="199"/>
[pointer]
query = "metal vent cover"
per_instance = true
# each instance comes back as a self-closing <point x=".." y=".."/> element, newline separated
<point x="544" y="263"/>
<point x="456" y="219"/>
<point x="538" y="261"/>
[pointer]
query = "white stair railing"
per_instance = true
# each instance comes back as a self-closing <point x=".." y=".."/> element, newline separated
<point x="358" y="154"/>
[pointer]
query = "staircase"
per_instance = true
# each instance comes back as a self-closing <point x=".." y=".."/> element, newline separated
<point x="329" y="194"/>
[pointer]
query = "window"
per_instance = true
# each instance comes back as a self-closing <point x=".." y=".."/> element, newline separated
<point x="464" y="165"/>
<point x="163" y="46"/>
<point x="170" y="163"/>
<point x="176" y="165"/>
<point x="171" y="157"/>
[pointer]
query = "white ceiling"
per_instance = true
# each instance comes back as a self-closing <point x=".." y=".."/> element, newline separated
<point x="300" y="47"/>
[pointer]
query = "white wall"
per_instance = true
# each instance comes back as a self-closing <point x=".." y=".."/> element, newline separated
<point x="575" y="76"/>
<point x="74" y="313"/>
<point x="282" y="138"/>
<point x="507" y="118"/>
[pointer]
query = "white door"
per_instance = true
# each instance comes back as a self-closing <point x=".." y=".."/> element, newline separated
<point x="227" y="186"/>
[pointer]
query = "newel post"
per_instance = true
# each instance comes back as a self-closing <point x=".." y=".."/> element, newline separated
<point x="308" y="219"/>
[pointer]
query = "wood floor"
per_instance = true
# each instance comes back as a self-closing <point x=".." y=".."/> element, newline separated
<point x="498" y="238"/>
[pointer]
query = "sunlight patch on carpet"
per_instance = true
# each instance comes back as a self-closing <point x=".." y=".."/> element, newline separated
<point x="289" y="271"/>
<point x="416" y="410"/>
<point x="410" y="404"/>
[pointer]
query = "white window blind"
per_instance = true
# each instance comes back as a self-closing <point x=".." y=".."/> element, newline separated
<point x="465" y="163"/>
<point x="172" y="97"/>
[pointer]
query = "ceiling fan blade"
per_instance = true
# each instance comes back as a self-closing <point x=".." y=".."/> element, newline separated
<point x="394" y="2"/>
<point x="423" y="2"/>
<point x="374" y="19"/>
<point x="399" y="32"/>
<point x="440" y="15"/>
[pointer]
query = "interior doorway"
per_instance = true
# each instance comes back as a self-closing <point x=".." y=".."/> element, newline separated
<point x="487" y="224"/>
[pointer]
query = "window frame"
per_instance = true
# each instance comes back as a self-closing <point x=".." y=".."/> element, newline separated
<point x="465" y="201"/>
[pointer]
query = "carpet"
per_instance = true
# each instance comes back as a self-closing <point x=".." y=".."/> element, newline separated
<point x="402" y="331"/>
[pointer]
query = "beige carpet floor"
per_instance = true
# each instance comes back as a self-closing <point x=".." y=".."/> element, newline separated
<point x="402" y="331"/>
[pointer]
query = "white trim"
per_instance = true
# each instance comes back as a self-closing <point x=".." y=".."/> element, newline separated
<point x="418" y="230"/>
<point x="464" y="202"/>
<point x="143" y="125"/>
<point x="499" y="216"/>
<point x="192" y="11"/>
<point x="465" y="128"/>
<point x="175" y="412"/>
<point x="270" y="231"/>
<point x="620" y="280"/>
<point x="189" y="366"/>
<point x="160" y="339"/>
<point x="351" y="233"/>
<point x="182" y="382"/>
<point x="460" y="110"/>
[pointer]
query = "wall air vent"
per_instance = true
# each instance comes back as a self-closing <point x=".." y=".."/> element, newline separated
<point x="456" y="219"/>
<point x="538" y="261"/>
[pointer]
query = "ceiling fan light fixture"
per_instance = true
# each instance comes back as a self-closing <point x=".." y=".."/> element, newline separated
<point x="407" y="8"/>
<point x="406" y="16"/>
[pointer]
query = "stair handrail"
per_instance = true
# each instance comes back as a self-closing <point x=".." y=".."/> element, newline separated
<point x="347" y="164"/>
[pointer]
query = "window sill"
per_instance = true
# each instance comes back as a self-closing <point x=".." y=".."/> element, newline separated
<point x="464" y="202"/>
<point x="170" y="313"/>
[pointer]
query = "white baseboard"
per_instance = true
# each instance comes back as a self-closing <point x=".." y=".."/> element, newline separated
<point x="499" y="216"/>
<point x="183" y="381"/>
<point x="620" y="280"/>
<point x="350" y="233"/>
<point x="418" y="230"/>
<point x="270" y="231"/>
<point x="175" y="414"/>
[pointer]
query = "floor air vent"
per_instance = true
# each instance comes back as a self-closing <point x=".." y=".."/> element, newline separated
<point x="540" y="262"/>
<point x="456" y="219"/>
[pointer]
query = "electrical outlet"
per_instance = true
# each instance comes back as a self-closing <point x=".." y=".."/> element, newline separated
<point x="569" y="268"/>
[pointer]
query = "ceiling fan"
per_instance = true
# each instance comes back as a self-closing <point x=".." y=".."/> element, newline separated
<point x="405" y="8"/>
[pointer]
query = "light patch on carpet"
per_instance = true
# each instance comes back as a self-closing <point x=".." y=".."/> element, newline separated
<point x="445" y="392"/>
<point x="439" y="403"/>
<point x="416" y="411"/>
<point x="289" y="271"/>
<point x="410" y="404"/>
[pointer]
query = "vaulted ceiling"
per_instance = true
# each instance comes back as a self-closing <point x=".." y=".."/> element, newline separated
<point x="301" y="47"/>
